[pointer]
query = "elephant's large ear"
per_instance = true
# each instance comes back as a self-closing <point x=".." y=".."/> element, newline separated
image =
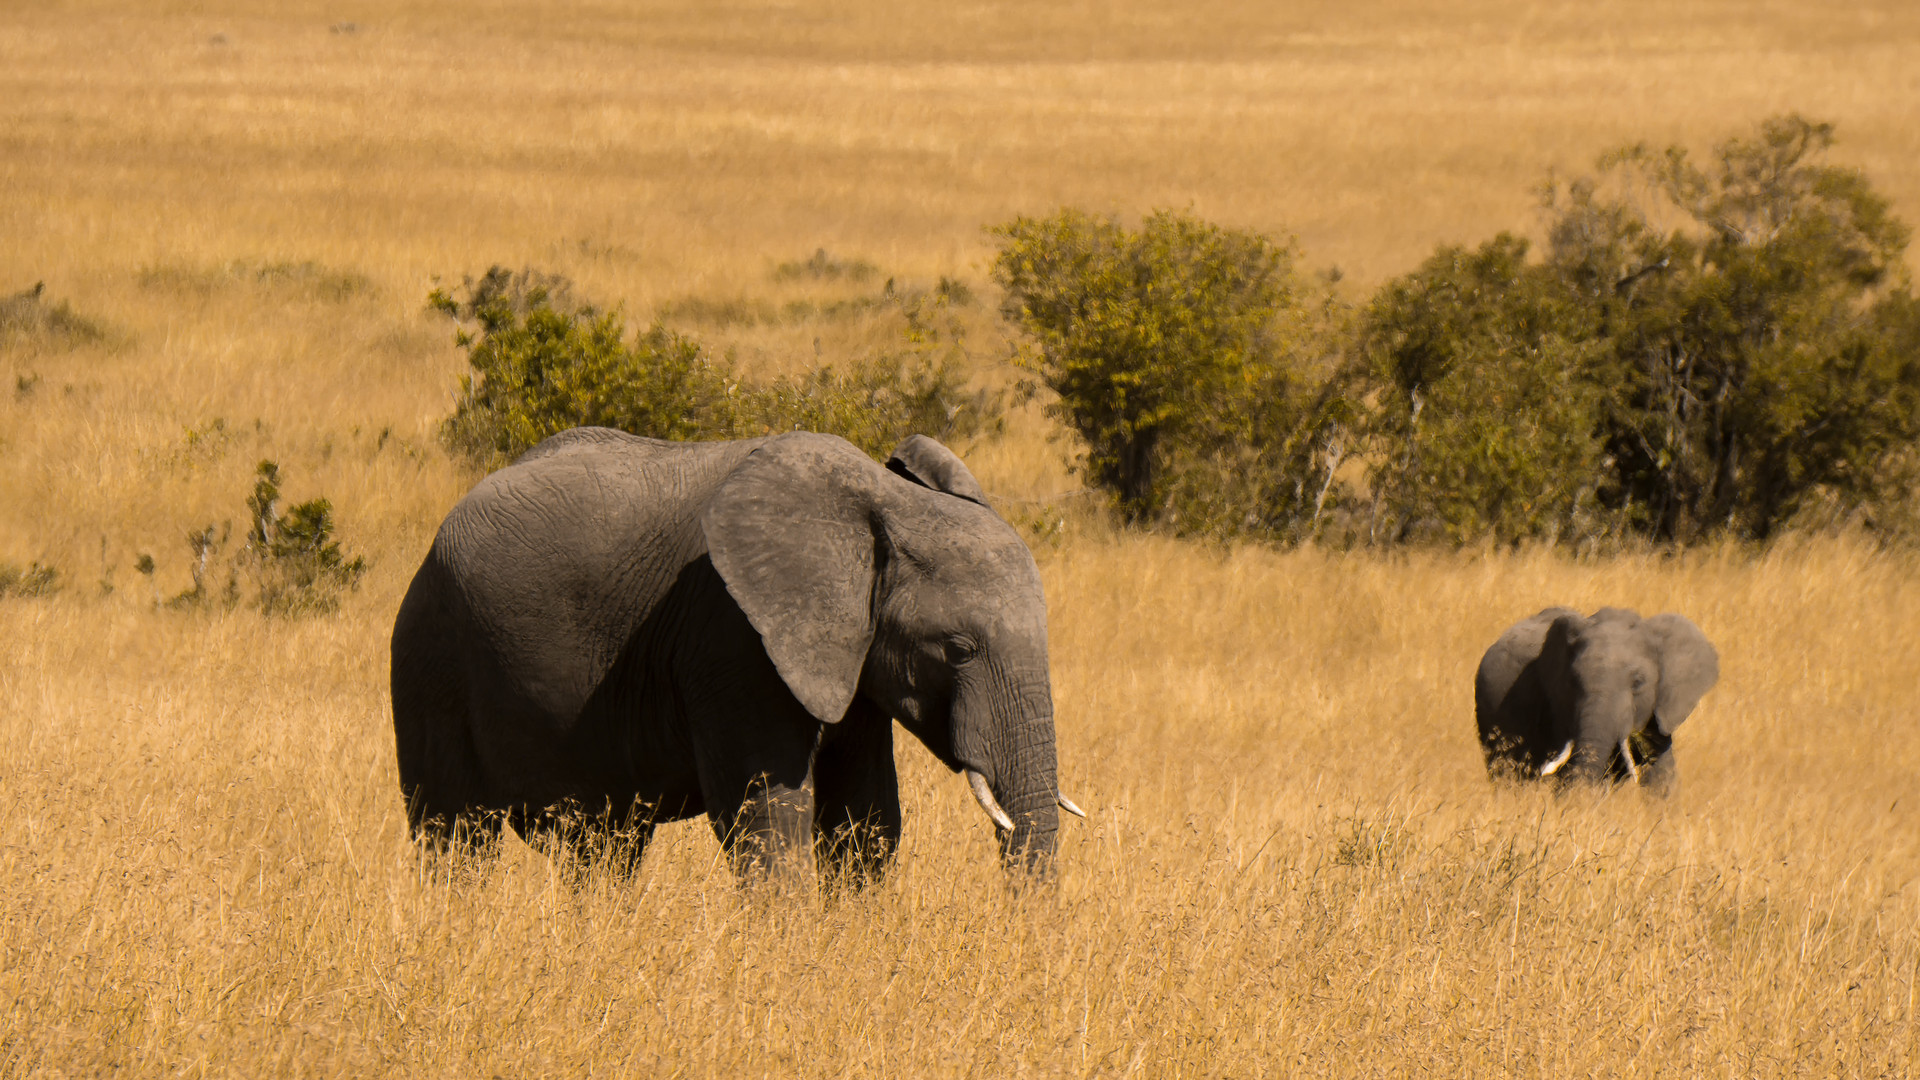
<point x="927" y="463"/>
<point x="1689" y="667"/>
<point x="791" y="531"/>
<point x="1556" y="658"/>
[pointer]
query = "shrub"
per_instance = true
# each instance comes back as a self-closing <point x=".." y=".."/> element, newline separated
<point x="297" y="563"/>
<point x="1754" y="362"/>
<point x="824" y="267"/>
<point x="873" y="405"/>
<point x="1760" y="357"/>
<point x="1175" y="355"/>
<point x="554" y="370"/>
<point x="725" y="312"/>
<point x="26" y="318"/>
<point x="1272" y="468"/>
<point x="205" y="544"/>
<point x="1483" y="419"/>
<point x="291" y="558"/>
<point x="543" y="364"/>
<point x="35" y="580"/>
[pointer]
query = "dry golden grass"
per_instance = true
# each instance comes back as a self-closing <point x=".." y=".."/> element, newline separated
<point x="1294" y="865"/>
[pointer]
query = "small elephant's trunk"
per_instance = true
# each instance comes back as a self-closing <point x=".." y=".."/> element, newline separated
<point x="1606" y="721"/>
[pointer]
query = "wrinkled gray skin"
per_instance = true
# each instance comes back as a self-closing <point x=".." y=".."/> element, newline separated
<point x="1611" y="688"/>
<point x="616" y="631"/>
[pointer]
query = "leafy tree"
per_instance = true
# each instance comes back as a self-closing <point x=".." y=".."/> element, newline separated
<point x="1156" y="341"/>
<point x="1703" y="349"/>
<point x="1484" y="410"/>
<point x="1759" y="360"/>
<point x="1269" y="463"/>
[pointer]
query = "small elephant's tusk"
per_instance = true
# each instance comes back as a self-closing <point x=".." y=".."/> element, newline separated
<point x="1553" y="766"/>
<point x="984" y="796"/>
<point x="1626" y="755"/>
<point x="1067" y="805"/>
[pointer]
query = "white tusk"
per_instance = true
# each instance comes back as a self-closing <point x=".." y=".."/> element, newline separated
<point x="984" y="796"/>
<point x="1553" y="766"/>
<point x="1626" y="755"/>
<point x="1067" y="805"/>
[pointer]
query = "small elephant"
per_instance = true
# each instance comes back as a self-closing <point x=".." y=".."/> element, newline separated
<point x="1572" y="696"/>
<point x="616" y="631"/>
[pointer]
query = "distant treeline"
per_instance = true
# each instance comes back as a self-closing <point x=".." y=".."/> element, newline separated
<point x="1698" y="349"/>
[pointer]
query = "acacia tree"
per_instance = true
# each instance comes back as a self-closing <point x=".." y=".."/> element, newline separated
<point x="1153" y="340"/>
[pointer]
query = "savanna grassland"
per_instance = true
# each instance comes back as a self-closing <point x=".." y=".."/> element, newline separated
<point x="1294" y="864"/>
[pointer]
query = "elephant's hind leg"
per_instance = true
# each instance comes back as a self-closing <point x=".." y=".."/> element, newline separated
<point x="857" y="797"/>
<point x="433" y="741"/>
<point x="444" y="813"/>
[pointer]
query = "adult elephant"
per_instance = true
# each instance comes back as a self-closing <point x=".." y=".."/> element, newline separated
<point x="615" y="631"/>
<point x="1591" y="697"/>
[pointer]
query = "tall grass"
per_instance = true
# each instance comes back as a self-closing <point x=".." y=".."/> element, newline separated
<point x="1294" y="864"/>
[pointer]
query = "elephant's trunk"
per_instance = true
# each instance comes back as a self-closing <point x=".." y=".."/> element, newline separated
<point x="1030" y="794"/>
<point x="1005" y="740"/>
<point x="1605" y="720"/>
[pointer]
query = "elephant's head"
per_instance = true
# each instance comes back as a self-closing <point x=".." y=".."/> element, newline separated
<point x="902" y="585"/>
<point x="1619" y="685"/>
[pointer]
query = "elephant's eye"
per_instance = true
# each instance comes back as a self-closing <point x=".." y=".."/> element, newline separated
<point x="959" y="651"/>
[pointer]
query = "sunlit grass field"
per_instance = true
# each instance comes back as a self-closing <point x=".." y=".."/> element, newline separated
<point x="1294" y="864"/>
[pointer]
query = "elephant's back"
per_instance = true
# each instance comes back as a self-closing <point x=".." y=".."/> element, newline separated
<point x="588" y="492"/>
<point x="554" y="561"/>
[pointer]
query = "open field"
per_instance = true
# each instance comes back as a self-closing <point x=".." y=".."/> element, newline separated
<point x="1294" y="864"/>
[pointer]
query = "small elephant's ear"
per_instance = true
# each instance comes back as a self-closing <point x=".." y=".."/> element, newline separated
<point x="1689" y="667"/>
<point x="791" y="532"/>
<point x="927" y="463"/>
<point x="1556" y="657"/>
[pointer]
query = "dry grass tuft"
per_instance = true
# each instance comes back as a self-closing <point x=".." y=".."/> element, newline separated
<point x="1295" y="865"/>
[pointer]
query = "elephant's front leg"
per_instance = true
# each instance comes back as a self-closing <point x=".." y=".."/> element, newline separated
<point x="771" y="834"/>
<point x="857" y="796"/>
<point x="756" y="778"/>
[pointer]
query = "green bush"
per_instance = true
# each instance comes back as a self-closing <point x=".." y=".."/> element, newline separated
<point x="1753" y="364"/>
<point x="1760" y="359"/>
<point x="543" y="364"/>
<point x="291" y="558"/>
<point x="1483" y="418"/>
<point x="297" y="564"/>
<point x="874" y="404"/>
<point x="1180" y="354"/>
<point x="547" y="369"/>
